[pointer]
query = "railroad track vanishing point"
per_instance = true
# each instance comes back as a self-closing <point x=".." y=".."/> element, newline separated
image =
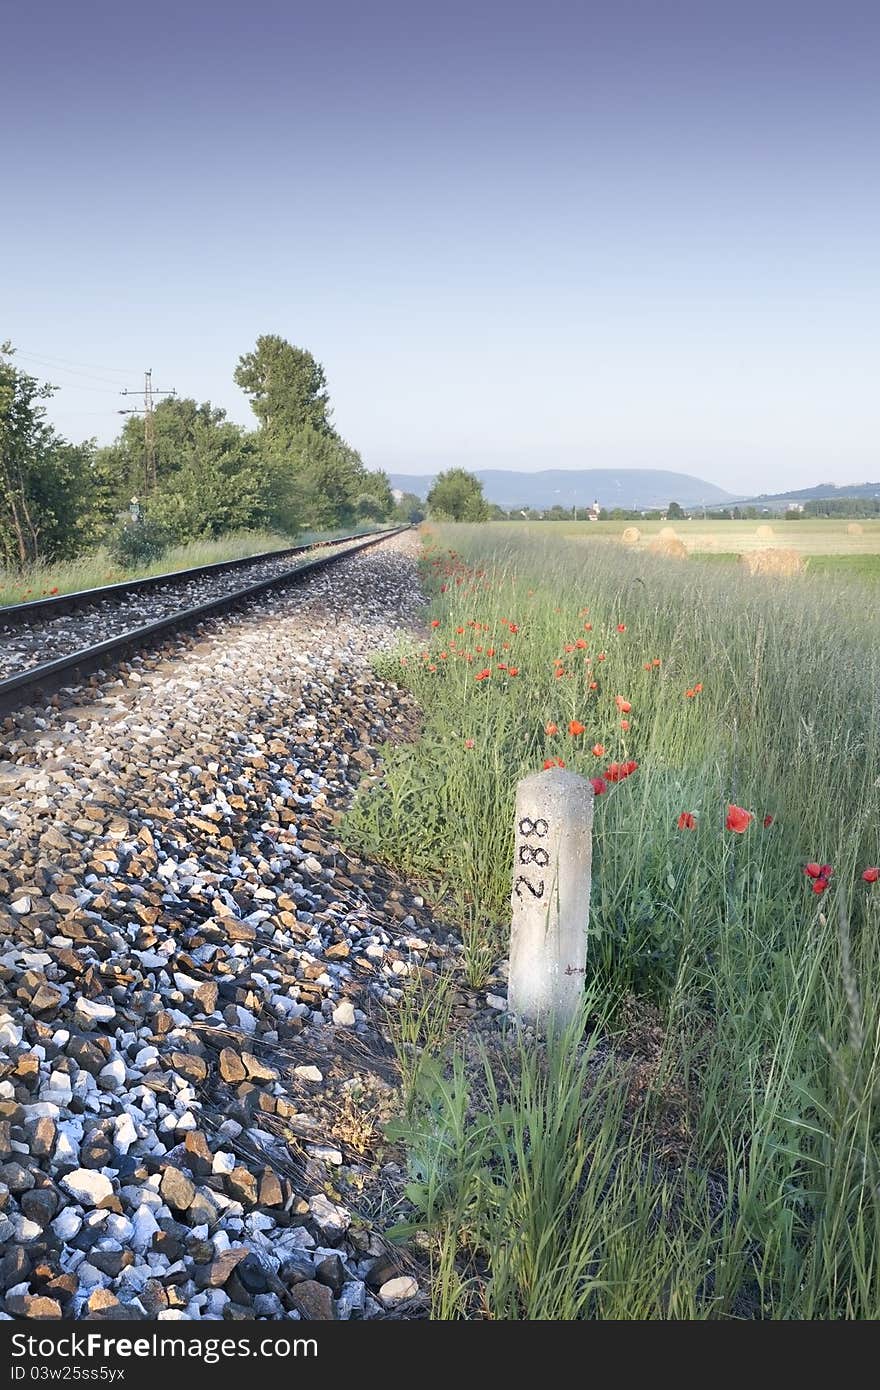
<point x="39" y="651"/>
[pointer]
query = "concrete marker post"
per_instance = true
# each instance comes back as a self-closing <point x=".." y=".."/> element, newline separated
<point x="551" y="897"/>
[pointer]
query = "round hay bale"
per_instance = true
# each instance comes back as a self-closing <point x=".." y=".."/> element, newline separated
<point x="765" y="532"/>
<point x="631" y="536"/>
<point x="666" y="533"/>
<point x="854" y="529"/>
<point x="776" y="562"/>
<point x="670" y="546"/>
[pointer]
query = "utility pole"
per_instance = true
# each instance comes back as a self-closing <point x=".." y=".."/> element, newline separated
<point x="149" y="426"/>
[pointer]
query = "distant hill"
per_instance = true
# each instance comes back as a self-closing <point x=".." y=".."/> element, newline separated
<point x="822" y="492"/>
<point x="642" y="488"/>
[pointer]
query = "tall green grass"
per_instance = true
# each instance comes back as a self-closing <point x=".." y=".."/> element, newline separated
<point x="768" y="992"/>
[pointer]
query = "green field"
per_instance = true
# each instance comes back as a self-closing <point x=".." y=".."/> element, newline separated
<point x="810" y="537"/>
<point x="711" y="1149"/>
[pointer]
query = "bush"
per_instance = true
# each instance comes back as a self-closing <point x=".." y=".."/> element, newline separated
<point x="139" y="543"/>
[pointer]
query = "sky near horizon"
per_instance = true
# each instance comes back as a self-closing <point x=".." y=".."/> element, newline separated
<point x="628" y="234"/>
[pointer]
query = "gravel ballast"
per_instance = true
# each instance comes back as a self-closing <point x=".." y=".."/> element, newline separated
<point x="194" y="975"/>
<point x="24" y="646"/>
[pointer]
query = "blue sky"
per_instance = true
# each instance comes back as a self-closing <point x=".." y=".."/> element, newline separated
<point x="558" y="235"/>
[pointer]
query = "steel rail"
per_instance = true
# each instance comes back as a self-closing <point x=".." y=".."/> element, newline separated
<point x="49" y="674"/>
<point x="33" y="610"/>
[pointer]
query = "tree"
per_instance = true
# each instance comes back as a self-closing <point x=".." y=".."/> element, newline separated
<point x="409" y="509"/>
<point x="44" y="481"/>
<point x="457" y="496"/>
<point x="674" y="512"/>
<point x="209" y="473"/>
<point x="374" y="501"/>
<point x="327" y="475"/>
<point x="287" y="388"/>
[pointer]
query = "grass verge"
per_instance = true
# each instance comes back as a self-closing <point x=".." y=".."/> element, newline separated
<point x="549" y="1180"/>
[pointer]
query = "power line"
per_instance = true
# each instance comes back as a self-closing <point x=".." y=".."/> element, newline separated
<point x="149" y="426"/>
<point x="69" y="362"/>
<point x="77" y="386"/>
<point x="52" y="368"/>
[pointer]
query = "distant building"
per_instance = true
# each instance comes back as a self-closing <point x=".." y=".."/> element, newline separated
<point x="593" y="513"/>
<point x="397" y="494"/>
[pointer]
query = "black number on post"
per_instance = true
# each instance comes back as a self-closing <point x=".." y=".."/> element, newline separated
<point x="528" y="855"/>
<point x="528" y="827"/>
<point x="535" y="892"/>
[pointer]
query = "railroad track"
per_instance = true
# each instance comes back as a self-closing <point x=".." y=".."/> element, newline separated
<point x="44" y="642"/>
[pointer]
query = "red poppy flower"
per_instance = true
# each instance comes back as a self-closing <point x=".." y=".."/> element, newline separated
<point x="54" y="591"/>
<point x="551" y="728"/>
<point x="768" y="821"/>
<point x="617" y="772"/>
<point x="459" y="630"/>
<point x="468" y="743"/>
<point x="623" y="705"/>
<point x="738" y="820"/>
<point x="689" y="694"/>
<point x="435" y="622"/>
<point x="483" y="675"/>
<point x="588" y="627"/>
<point x="598" y="750"/>
<point x="655" y="661"/>
<point x="698" y="687"/>
<point x="559" y="673"/>
<point x="553" y="762"/>
<point x="512" y="627"/>
<point x="599" y="785"/>
<point x="601" y="656"/>
<point x="813" y="870"/>
<point x="575" y="727"/>
<point x="871" y="875"/>
<point x="513" y="671"/>
<point x="621" y="627"/>
<point x="624" y="724"/>
<point x="647" y="665"/>
<point x="819" y="885"/>
<point x="444" y="656"/>
<point x="581" y="644"/>
<point x="594" y="685"/>
<point x="432" y="668"/>
<point x="686" y="821"/>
